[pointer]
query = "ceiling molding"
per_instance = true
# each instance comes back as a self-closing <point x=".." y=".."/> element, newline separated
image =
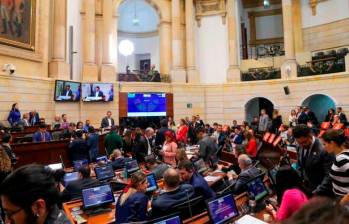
<point x="137" y="35"/>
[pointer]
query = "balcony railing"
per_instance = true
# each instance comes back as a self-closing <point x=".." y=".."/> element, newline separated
<point x="143" y="77"/>
<point x="265" y="73"/>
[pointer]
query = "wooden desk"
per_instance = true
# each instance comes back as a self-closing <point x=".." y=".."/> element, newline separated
<point x="229" y="157"/>
<point x="104" y="218"/>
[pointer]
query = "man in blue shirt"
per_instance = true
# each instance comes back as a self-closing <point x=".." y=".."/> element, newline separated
<point x="42" y="135"/>
<point x="189" y="175"/>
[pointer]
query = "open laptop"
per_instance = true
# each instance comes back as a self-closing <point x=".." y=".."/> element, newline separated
<point x="272" y="175"/>
<point x="152" y="184"/>
<point x="257" y="189"/>
<point x="80" y="163"/>
<point x="222" y="209"/>
<point x="200" y="166"/>
<point x="71" y="176"/>
<point x="96" y="198"/>
<point x="103" y="159"/>
<point x="171" y="219"/>
<point x="131" y="167"/>
<point x="104" y="173"/>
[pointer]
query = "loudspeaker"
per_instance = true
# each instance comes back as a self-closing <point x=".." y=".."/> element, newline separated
<point x="286" y="90"/>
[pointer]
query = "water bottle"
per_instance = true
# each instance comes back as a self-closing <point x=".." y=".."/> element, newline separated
<point x="252" y="204"/>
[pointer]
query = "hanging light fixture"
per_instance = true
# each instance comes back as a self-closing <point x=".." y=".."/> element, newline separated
<point x="266" y="3"/>
<point x="135" y="20"/>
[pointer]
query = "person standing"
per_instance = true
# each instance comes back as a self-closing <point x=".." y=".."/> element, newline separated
<point x="14" y="116"/>
<point x="169" y="150"/>
<point x="112" y="141"/>
<point x="208" y="147"/>
<point x="314" y="162"/>
<point x="330" y="115"/>
<point x="107" y="121"/>
<point x="182" y="131"/>
<point x="160" y="135"/>
<point x="78" y="149"/>
<point x="263" y="121"/>
<point x="93" y="143"/>
<point x="292" y="119"/>
<point x="276" y="121"/>
<point x="342" y="116"/>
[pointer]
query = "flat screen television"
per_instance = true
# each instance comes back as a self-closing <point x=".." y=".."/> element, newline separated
<point x="66" y="91"/>
<point x="97" y="92"/>
<point x="146" y="104"/>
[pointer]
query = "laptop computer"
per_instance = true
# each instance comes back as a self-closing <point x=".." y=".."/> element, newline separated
<point x="200" y="166"/>
<point x="257" y="189"/>
<point x="131" y="166"/>
<point x="80" y="163"/>
<point x="152" y="184"/>
<point x="171" y="219"/>
<point x="104" y="173"/>
<point x="222" y="209"/>
<point x="96" y="198"/>
<point x="71" y="176"/>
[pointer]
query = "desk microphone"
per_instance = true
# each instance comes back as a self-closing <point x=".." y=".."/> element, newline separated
<point x="190" y="211"/>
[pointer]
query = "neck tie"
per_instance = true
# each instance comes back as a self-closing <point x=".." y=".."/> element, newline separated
<point x="43" y="136"/>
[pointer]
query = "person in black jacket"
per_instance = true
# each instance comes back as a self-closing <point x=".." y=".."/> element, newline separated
<point x="73" y="189"/>
<point x="276" y="122"/>
<point x="303" y="117"/>
<point x="78" y="149"/>
<point x="93" y="143"/>
<point x="314" y="162"/>
<point x="342" y="116"/>
<point x="160" y="135"/>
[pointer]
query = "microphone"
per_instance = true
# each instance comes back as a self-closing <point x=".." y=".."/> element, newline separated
<point x="190" y="211"/>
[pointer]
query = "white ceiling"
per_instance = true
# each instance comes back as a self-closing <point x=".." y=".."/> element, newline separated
<point x="146" y="14"/>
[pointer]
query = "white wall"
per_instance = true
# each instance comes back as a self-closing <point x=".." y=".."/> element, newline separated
<point x="148" y="45"/>
<point x="212" y="50"/>
<point x="74" y="19"/>
<point x="269" y="27"/>
<point x="326" y="12"/>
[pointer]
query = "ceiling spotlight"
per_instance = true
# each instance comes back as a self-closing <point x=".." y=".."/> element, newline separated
<point x="266" y="3"/>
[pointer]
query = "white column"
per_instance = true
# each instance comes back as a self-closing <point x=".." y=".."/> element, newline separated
<point x="289" y="67"/>
<point x="233" y="74"/>
<point x="178" y="73"/>
<point x="192" y="73"/>
<point x="58" y="67"/>
<point x="165" y="47"/>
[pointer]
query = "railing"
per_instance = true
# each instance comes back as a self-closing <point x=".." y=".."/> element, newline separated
<point x="324" y="63"/>
<point x="143" y="77"/>
<point x="265" y="73"/>
<point x="264" y="50"/>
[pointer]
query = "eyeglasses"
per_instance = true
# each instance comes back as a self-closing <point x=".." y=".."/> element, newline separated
<point x="10" y="214"/>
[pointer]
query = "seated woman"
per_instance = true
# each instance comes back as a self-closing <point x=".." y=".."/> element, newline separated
<point x="291" y="195"/>
<point x="336" y="120"/>
<point x="169" y="149"/>
<point x="181" y="155"/>
<point x="132" y="204"/>
<point x="251" y="146"/>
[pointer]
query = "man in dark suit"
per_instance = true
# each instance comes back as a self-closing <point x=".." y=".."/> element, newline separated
<point x="190" y="176"/>
<point x="42" y="135"/>
<point x="174" y="194"/>
<point x="312" y="116"/>
<point x="97" y="92"/>
<point x="208" y="147"/>
<point x="313" y="161"/>
<point x="342" y="116"/>
<point x="160" y="135"/>
<point x="248" y="172"/>
<point x="108" y="121"/>
<point x="303" y="117"/>
<point x="67" y="91"/>
<point x="78" y="149"/>
<point x="73" y="190"/>
<point x="118" y="161"/>
<point x="34" y="117"/>
<point x="93" y="143"/>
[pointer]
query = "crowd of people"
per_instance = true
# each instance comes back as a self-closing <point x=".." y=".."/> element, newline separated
<point x="321" y="169"/>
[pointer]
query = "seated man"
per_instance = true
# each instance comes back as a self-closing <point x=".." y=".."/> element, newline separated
<point x="174" y="194"/>
<point x="118" y="160"/>
<point x="189" y="175"/>
<point x="73" y="190"/>
<point x="24" y="122"/>
<point x="156" y="167"/>
<point x="42" y="135"/>
<point x="248" y="172"/>
<point x="78" y="149"/>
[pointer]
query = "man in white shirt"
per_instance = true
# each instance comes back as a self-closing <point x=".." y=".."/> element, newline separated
<point x="149" y="135"/>
<point x="98" y="92"/>
<point x="108" y="121"/>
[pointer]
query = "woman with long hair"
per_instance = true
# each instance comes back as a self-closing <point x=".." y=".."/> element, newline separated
<point x="291" y="195"/>
<point x="292" y="119"/>
<point x="336" y="143"/>
<point x="330" y="115"/>
<point x="182" y="131"/>
<point x="14" y="116"/>
<point x="169" y="149"/>
<point x="276" y="121"/>
<point x="181" y="155"/>
<point x="132" y="203"/>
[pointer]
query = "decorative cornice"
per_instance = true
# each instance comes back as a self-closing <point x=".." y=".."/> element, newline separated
<point x="138" y="35"/>
<point x="209" y="8"/>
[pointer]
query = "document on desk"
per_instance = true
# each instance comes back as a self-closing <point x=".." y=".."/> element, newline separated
<point x="212" y="178"/>
<point x="247" y="219"/>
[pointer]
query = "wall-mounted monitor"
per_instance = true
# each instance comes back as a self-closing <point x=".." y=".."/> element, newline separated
<point x="146" y="104"/>
<point x="97" y="92"/>
<point x="66" y="91"/>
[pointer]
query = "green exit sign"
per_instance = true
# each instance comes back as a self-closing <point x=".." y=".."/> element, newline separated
<point x="189" y="105"/>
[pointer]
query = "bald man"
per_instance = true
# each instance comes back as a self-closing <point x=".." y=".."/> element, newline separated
<point x="248" y="172"/>
<point x="174" y="194"/>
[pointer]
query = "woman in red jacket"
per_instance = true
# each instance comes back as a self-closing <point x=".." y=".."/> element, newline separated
<point x="251" y="146"/>
<point x="182" y="131"/>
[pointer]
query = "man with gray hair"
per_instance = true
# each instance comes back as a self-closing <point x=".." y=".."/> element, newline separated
<point x="248" y="172"/>
<point x="149" y="135"/>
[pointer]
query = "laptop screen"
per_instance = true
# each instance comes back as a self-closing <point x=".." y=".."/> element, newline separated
<point x="131" y="166"/>
<point x="222" y="209"/>
<point x="68" y="177"/>
<point x="152" y="184"/>
<point x="102" y="159"/>
<point x="256" y="189"/>
<point x="56" y="166"/>
<point x="104" y="172"/>
<point x="80" y="163"/>
<point x="169" y="220"/>
<point x="97" y="196"/>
